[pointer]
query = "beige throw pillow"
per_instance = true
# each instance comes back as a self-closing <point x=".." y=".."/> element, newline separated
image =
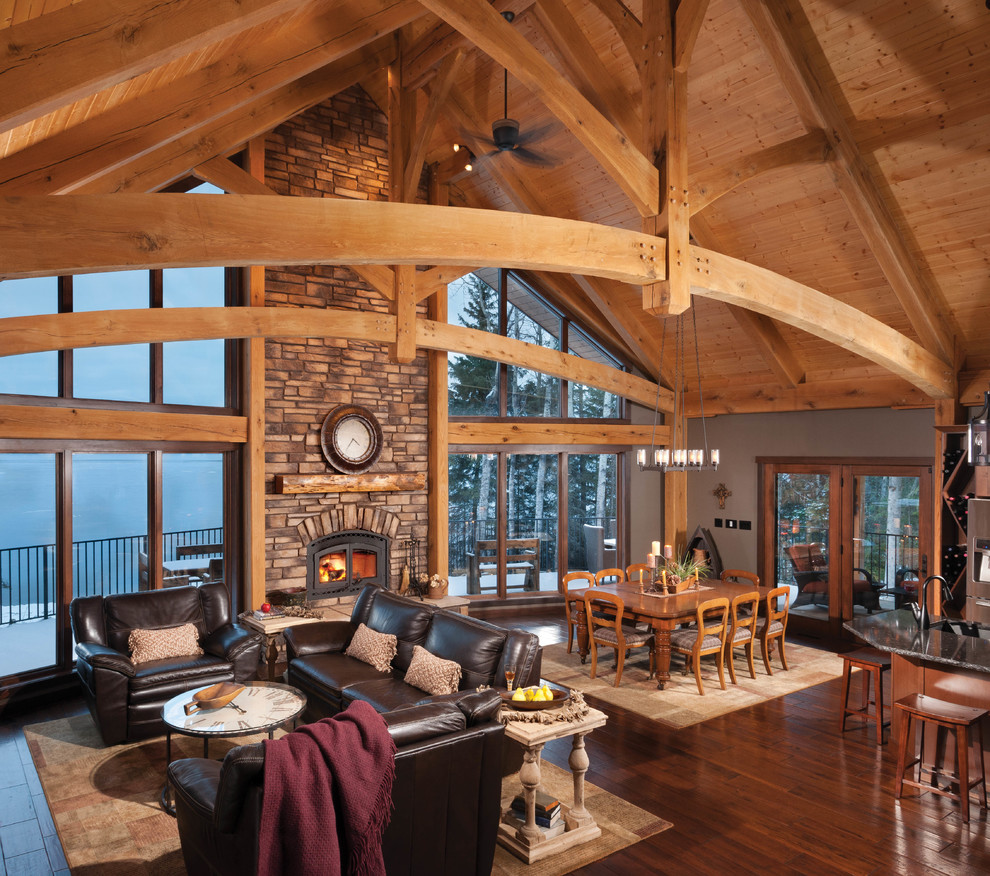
<point x="433" y="674"/>
<point x="147" y="645"/>
<point x="370" y="646"/>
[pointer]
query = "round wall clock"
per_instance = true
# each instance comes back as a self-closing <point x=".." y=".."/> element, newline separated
<point x="351" y="438"/>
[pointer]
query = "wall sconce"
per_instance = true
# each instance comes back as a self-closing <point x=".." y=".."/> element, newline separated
<point x="978" y="438"/>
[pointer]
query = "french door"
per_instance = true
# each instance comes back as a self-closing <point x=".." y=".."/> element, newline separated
<point x="846" y="537"/>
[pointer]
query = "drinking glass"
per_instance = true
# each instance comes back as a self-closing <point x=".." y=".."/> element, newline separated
<point x="510" y="676"/>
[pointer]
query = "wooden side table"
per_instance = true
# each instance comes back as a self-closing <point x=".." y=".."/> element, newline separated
<point x="271" y="629"/>
<point x="528" y="842"/>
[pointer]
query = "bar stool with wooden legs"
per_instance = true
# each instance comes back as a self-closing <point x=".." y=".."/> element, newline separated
<point x="872" y="665"/>
<point x="945" y="716"/>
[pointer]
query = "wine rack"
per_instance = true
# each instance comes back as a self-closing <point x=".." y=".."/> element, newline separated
<point x="957" y="488"/>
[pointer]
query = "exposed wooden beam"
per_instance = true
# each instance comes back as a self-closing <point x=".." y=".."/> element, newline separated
<point x="688" y="19"/>
<point x="425" y="126"/>
<point x="736" y="282"/>
<point x="64" y="331"/>
<point x="760" y="330"/>
<point x="776" y="352"/>
<point x="223" y="135"/>
<point x="48" y="235"/>
<point x="627" y="26"/>
<point x="576" y="53"/>
<point x="404" y="308"/>
<point x="784" y="31"/>
<point x="102" y="143"/>
<point x="96" y="424"/>
<point x="493" y="434"/>
<point x="224" y="173"/>
<point x="55" y="58"/>
<point x="435" y="280"/>
<point x="826" y="395"/>
<point x="424" y="56"/>
<point x="480" y="23"/>
<point x="707" y="187"/>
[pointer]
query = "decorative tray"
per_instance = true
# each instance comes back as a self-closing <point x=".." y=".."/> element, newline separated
<point x="559" y="698"/>
<point x="216" y="696"/>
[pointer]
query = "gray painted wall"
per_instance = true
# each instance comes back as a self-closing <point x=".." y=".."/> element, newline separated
<point x="740" y="438"/>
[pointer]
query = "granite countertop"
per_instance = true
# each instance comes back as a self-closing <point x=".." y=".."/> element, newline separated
<point x="898" y="633"/>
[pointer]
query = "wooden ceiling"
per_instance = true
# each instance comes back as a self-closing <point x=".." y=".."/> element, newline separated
<point x="841" y="146"/>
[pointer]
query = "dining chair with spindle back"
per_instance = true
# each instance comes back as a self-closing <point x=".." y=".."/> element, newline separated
<point x="610" y="576"/>
<point x="741" y="576"/>
<point x="639" y="573"/>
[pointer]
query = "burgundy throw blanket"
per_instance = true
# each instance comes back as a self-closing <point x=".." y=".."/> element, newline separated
<point x="328" y="797"/>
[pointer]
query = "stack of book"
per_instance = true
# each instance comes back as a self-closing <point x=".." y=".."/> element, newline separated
<point x="549" y="818"/>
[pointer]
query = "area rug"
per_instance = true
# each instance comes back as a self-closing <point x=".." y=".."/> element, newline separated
<point x="105" y="804"/>
<point x="679" y="703"/>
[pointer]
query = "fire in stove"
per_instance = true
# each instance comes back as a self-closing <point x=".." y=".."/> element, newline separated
<point x="333" y="567"/>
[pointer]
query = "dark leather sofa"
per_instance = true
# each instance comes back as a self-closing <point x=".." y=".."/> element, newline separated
<point x="331" y="680"/>
<point x="446" y="795"/>
<point x="126" y="700"/>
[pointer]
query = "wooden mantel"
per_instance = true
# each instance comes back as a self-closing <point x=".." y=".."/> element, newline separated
<point x="342" y="483"/>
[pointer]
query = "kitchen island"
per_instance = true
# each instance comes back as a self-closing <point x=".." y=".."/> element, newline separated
<point x="935" y="662"/>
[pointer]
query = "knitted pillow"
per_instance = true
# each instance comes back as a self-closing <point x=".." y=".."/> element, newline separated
<point x="147" y="645"/>
<point x="370" y="646"/>
<point x="433" y="674"/>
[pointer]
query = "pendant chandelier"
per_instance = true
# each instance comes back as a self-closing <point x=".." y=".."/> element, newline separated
<point x="678" y="457"/>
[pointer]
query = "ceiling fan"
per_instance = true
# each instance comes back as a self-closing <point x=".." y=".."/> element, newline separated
<point x="506" y="136"/>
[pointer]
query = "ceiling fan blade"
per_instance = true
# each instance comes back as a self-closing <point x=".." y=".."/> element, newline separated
<point x="532" y="158"/>
<point x="526" y="138"/>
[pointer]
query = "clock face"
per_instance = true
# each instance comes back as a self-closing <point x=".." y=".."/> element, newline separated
<point x="351" y="439"/>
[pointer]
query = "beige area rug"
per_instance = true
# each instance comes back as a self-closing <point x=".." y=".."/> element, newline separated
<point x="105" y="803"/>
<point x="679" y="704"/>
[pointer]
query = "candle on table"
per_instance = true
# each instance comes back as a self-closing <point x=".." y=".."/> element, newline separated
<point x="667" y="552"/>
<point x="651" y="561"/>
<point x="656" y="548"/>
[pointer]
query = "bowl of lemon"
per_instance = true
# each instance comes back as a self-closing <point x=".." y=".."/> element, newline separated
<point x="536" y="696"/>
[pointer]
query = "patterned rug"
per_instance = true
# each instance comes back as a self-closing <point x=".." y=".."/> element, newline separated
<point x="105" y="803"/>
<point x="679" y="704"/>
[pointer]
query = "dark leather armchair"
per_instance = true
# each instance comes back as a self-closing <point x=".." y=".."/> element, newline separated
<point x="446" y="795"/>
<point x="126" y="700"/>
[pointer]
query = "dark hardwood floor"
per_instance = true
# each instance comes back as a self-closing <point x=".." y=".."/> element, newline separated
<point x="773" y="789"/>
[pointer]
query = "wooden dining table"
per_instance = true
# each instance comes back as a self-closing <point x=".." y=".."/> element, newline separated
<point x="662" y="613"/>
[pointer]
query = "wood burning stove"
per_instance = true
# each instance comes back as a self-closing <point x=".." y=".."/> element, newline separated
<point x="341" y="563"/>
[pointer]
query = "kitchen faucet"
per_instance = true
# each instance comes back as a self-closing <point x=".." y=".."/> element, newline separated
<point x="921" y="611"/>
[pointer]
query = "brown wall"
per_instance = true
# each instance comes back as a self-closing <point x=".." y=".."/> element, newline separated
<point x="336" y="149"/>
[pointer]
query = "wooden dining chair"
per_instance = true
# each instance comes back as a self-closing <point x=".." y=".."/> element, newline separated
<point x="609" y="576"/>
<point x="639" y="573"/>
<point x="741" y="576"/>
<point x="706" y="637"/>
<point x="573" y="601"/>
<point x="773" y="627"/>
<point x="743" y="617"/>
<point x="604" y="613"/>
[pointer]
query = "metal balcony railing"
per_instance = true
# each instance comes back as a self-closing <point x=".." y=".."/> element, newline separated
<point x="99" y="566"/>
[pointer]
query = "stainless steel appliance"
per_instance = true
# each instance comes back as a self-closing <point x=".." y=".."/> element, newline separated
<point x="978" y="562"/>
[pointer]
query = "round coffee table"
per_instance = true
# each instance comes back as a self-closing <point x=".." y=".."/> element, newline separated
<point x="262" y="706"/>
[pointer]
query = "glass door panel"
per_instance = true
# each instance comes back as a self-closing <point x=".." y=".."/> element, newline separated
<point x="28" y="583"/>
<point x="192" y="518"/>
<point x="531" y="523"/>
<point x="109" y="523"/>
<point x="802" y="555"/>
<point x="886" y="549"/>
<point x="591" y="511"/>
<point x="472" y="519"/>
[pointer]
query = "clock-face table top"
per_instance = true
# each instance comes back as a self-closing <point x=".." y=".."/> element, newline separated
<point x="260" y="706"/>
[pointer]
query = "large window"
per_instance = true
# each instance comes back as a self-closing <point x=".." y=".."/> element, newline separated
<point x="518" y="518"/>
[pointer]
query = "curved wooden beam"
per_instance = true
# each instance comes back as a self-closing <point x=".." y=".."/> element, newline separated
<point x="737" y="282"/>
<point x="63" y="331"/>
<point x="42" y="236"/>
<point x="48" y="235"/>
